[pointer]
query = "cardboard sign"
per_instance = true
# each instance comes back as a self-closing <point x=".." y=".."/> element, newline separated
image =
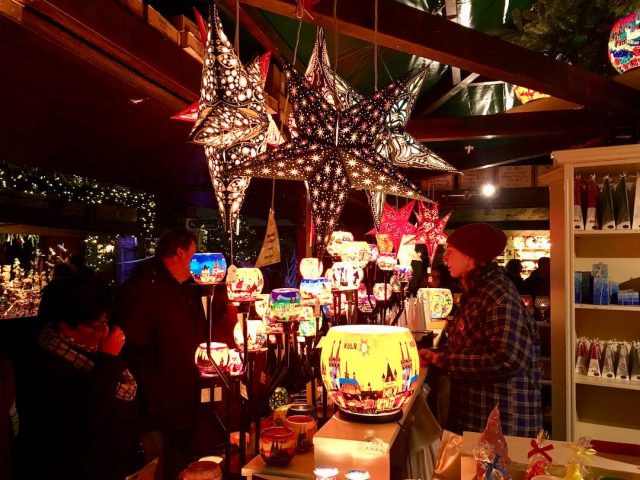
<point x="270" y="252"/>
<point x="475" y="179"/>
<point x="515" y="177"/>
<point x="441" y="182"/>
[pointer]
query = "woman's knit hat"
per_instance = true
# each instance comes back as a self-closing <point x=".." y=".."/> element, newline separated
<point x="480" y="241"/>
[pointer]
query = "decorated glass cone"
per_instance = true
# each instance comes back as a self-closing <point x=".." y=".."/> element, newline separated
<point x="208" y="267"/>
<point x="244" y="284"/>
<point x="370" y="371"/>
<point x="277" y="445"/>
<point x="284" y="305"/>
<point x="219" y="353"/>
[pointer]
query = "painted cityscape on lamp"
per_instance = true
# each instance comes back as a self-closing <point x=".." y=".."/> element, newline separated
<point x="208" y="267"/>
<point x="624" y="43"/>
<point x="385" y="395"/>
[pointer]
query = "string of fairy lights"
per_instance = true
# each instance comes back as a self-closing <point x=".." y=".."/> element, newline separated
<point x="73" y="188"/>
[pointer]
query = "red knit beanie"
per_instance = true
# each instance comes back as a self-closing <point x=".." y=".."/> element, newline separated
<point x="480" y="241"/>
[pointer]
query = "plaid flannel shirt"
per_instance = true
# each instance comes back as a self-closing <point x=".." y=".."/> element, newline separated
<point x="492" y="358"/>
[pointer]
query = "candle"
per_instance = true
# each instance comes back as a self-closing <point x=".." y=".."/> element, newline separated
<point x="357" y="475"/>
<point x="325" y="473"/>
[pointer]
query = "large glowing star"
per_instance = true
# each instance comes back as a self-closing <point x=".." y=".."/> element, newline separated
<point x="334" y="151"/>
<point x="396" y="223"/>
<point x="232" y="106"/>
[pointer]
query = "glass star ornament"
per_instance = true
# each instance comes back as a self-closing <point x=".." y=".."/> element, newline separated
<point x="333" y="151"/>
<point x="232" y="106"/>
<point x="395" y="223"/>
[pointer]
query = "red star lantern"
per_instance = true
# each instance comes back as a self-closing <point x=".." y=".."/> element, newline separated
<point x="396" y="223"/>
<point x="430" y="228"/>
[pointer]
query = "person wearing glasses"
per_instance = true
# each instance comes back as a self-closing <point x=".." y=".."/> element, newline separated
<point x="78" y="416"/>
<point x="493" y="345"/>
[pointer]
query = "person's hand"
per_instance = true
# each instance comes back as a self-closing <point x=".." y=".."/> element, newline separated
<point x="428" y="357"/>
<point x="112" y="342"/>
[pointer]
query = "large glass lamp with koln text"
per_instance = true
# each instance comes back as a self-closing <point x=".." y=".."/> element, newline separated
<point x="370" y="371"/>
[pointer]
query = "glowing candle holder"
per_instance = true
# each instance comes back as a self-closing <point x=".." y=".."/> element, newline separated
<point x="345" y="276"/>
<point x="334" y="247"/>
<point x="357" y="253"/>
<point x="386" y="261"/>
<point x="235" y="366"/>
<point x="219" y="354"/>
<point x="256" y="335"/>
<point x="385" y="244"/>
<point x="310" y="268"/>
<point x="403" y="273"/>
<point x="311" y="288"/>
<point x="370" y="371"/>
<point x="357" y="475"/>
<point x="438" y="302"/>
<point x="262" y="304"/>
<point x="373" y="252"/>
<point x="367" y="303"/>
<point x="307" y="326"/>
<point x="382" y="292"/>
<point x="284" y="305"/>
<point x="208" y="267"/>
<point x="244" y="284"/>
<point x="326" y="473"/>
<point x="623" y="43"/>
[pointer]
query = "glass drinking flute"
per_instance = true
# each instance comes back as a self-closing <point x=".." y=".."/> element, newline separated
<point x="543" y="303"/>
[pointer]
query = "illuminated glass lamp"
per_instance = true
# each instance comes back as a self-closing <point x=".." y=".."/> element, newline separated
<point x="244" y="284"/>
<point x="403" y="273"/>
<point x="262" y="304"/>
<point x="310" y="268"/>
<point x="219" y="354"/>
<point x="284" y="305"/>
<point x="370" y="371"/>
<point x="385" y="244"/>
<point x="311" y="288"/>
<point x="334" y="247"/>
<point x="437" y="301"/>
<point x="256" y="335"/>
<point x="386" y="261"/>
<point x="526" y="95"/>
<point x="382" y="292"/>
<point x="307" y="326"/>
<point x="345" y="276"/>
<point x="208" y="267"/>
<point x="357" y="253"/>
<point x="374" y="251"/>
<point x="624" y="43"/>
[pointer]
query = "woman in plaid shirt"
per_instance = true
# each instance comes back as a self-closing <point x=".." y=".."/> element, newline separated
<point x="493" y="349"/>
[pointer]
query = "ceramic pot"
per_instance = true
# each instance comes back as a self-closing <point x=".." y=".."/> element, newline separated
<point x="304" y="428"/>
<point x="277" y="445"/>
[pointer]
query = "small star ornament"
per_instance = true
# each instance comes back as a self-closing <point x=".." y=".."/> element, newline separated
<point x="430" y="228"/>
<point x="395" y="223"/>
<point x="333" y="152"/>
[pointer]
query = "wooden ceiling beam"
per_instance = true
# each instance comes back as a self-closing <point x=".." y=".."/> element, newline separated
<point x="414" y="31"/>
<point x="556" y="122"/>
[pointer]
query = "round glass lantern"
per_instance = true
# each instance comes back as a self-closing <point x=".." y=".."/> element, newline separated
<point x="366" y="303"/>
<point x="624" y="48"/>
<point x="208" y="267"/>
<point x="307" y="325"/>
<point x="338" y="238"/>
<point x="373" y="252"/>
<point x="382" y="292"/>
<point x="385" y="244"/>
<point x="386" y="261"/>
<point x="403" y="273"/>
<point x="310" y="267"/>
<point x="284" y="305"/>
<point x="345" y="276"/>
<point x="356" y="252"/>
<point x="256" y="335"/>
<point x="370" y="371"/>
<point x="219" y="354"/>
<point x="244" y="284"/>
<point x="315" y="288"/>
<point x="437" y="301"/>
<point x="262" y="304"/>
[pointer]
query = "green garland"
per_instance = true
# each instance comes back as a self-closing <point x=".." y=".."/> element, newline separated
<point x="573" y="31"/>
<point x="33" y="181"/>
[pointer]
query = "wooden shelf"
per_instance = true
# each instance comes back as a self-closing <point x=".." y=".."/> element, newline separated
<point x="621" y="308"/>
<point x="607" y="382"/>
<point x="606" y="233"/>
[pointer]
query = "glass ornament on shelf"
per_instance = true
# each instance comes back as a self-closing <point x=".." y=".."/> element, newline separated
<point x="219" y="354"/>
<point x="542" y="303"/>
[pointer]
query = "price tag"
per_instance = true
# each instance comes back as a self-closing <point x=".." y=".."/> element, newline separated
<point x="205" y="395"/>
<point x="374" y="447"/>
<point x="217" y="394"/>
<point x="243" y="391"/>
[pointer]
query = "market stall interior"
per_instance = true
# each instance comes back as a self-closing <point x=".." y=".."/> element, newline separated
<point x="324" y="151"/>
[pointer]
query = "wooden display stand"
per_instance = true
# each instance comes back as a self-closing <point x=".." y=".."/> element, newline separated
<point x="588" y="406"/>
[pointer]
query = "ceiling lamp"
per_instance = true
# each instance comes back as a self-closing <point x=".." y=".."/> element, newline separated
<point x="232" y="105"/>
<point x="624" y="46"/>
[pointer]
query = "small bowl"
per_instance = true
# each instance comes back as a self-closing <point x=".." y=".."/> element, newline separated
<point x="301" y="409"/>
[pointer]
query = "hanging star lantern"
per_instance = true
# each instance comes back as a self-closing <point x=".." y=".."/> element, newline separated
<point x="333" y="152"/>
<point x="232" y="106"/>
<point x="396" y="223"/>
<point x="430" y="228"/>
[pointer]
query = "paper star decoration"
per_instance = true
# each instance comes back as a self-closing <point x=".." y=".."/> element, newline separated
<point x="430" y="228"/>
<point x="232" y="106"/>
<point x="396" y="223"/>
<point x="333" y="151"/>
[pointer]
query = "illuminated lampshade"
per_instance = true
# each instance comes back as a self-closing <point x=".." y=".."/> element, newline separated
<point x="307" y="326"/>
<point x="356" y="252"/>
<point x="525" y="95"/>
<point x="315" y="288"/>
<point x="624" y="53"/>
<point x="370" y="370"/>
<point x="334" y="247"/>
<point x="403" y="273"/>
<point x="380" y="293"/>
<point x="329" y="310"/>
<point x="284" y="304"/>
<point x="262" y="304"/>
<point x="256" y="335"/>
<point x="310" y="268"/>
<point x="219" y="353"/>
<point x="386" y="261"/>
<point x="208" y="267"/>
<point x="374" y="251"/>
<point x="437" y="301"/>
<point x="244" y="284"/>
<point x="367" y="303"/>
<point x="235" y="366"/>
<point x="345" y="276"/>
<point x="385" y="244"/>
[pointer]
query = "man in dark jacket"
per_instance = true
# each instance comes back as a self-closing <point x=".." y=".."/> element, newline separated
<point x="164" y="321"/>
